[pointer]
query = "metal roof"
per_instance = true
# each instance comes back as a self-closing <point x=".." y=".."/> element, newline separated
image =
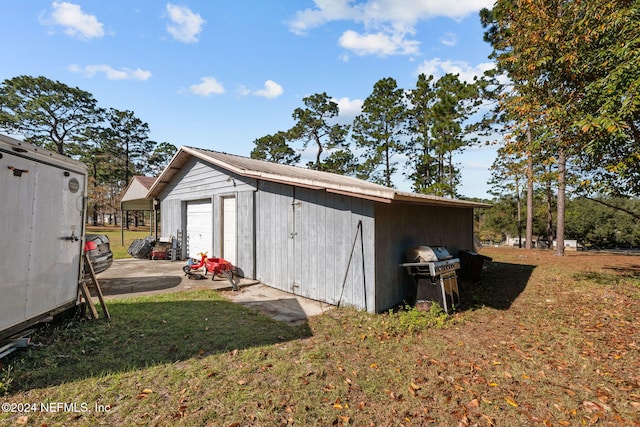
<point x="298" y="176"/>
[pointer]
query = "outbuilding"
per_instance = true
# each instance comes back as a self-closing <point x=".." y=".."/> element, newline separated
<point x="327" y="237"/>
<point x="134" y="198"/>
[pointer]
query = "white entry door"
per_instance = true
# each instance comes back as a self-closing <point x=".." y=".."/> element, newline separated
<point x="199" y="228"/>
<point x="229" y="229"/>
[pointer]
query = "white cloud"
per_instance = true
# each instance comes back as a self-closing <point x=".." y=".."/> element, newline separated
<point x="76" y="23"/>
<point x="207" y="86"/>
<point x="348" y="107"/>
<point x="401" y="14"/>
<point x="327" y="10"/>
<point x="437" y="68"/>
<point x="386" y="22"/>
<point x="185" y="25"/>
<point x="243" y="90"/>
<point x="111" y="73"/>
<point x="449" y="39"/>
<point x="271" y="90"/>
<point x="380" y="44"/>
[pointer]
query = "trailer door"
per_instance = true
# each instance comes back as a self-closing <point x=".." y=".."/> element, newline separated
<point x="56" y="244"/>
<point x="16" y="192"/>
<point x="42" y="224"/>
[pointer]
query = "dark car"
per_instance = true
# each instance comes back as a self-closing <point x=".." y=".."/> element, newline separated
<point x="99" y="250"/>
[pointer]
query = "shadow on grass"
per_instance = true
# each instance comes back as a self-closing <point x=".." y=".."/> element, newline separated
<point x="626" y="270"/>
<point x="500" y="284"/>
<point x="144" y="332"/>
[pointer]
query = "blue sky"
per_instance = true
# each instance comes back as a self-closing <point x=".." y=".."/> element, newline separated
<point x="219" y="74"/>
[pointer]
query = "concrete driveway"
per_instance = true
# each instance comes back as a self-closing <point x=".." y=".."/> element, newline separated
<point x="134" y="277"/>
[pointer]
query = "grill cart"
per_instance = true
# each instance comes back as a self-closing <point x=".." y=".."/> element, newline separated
<point x="433" y="270"/>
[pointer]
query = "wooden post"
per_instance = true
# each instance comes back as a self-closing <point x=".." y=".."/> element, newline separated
<point x="96" y="284"/>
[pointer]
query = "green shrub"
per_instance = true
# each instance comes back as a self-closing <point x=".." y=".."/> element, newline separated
<point x="409" y="319"/>
<point x="5" y="380"/>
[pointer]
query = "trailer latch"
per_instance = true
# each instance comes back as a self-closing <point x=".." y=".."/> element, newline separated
<point x="18" y="172"/>
<point x="72" y="238"/>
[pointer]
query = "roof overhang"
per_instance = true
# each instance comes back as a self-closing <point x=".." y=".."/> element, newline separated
<point x="135" y="196"/>
<point x="345" y="186"/>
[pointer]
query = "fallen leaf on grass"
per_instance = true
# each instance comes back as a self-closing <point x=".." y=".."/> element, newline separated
<point x="473" y="403"/>
<point x="592" y="406"/>
<point x="393" y="396"/>
<point x="22" y="420"/>
<point x="511" y="402"/>
<point x="488" y="419"/>
<point x="413" y="389"/>
<point x="181" y="412"/>
<point x="143" y="394"/>
<point x="338" y="404"/>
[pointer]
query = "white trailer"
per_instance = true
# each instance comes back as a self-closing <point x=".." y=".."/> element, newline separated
<point x="42" y="216"/>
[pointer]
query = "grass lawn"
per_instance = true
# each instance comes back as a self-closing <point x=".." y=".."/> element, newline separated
<point x="541" y="340"/>
<point x="115" y="238"/>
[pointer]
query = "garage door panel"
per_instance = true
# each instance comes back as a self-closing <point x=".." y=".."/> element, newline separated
<point x="229" y="229"/>
<point x="199" y="228"/>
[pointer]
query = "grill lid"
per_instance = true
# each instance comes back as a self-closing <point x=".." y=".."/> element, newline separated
<point x="427" y="254"/>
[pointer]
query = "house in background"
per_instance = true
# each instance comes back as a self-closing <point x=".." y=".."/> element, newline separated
<point x="327" y="237"/>
<point x="568" y="244"/>
<point x="134" y="198"/>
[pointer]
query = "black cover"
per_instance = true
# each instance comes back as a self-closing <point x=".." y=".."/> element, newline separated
<point x="140" y="248"/>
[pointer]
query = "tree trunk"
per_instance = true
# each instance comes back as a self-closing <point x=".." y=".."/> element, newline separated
<point x="550" y="237"/>
<point x="320" y="150"/>
<point x="562" y="164"/>
<point x="519" y="217"/>
<point x="387" y="173"/>
<point x="529" y="226"/>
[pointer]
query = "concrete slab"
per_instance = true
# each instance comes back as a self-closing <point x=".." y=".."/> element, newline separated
<point x="280" y="305"/>
<point x="135" y="277"/>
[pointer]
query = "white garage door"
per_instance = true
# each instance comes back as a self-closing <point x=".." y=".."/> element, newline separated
<point x="229" y="229"/>
<point x="199" y="228"/>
